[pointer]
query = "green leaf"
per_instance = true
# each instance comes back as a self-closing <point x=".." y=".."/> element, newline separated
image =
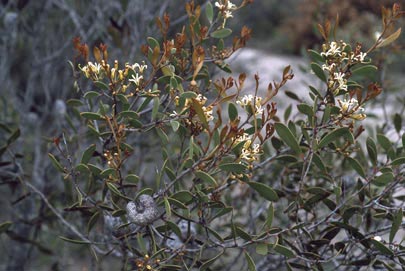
<point x="305" y="109"/>
<point x="4" y="226"/>
<point x="129" y="114"/>
<point x="284" y="251"/>
<point x="132" y="178"/>
<point x="183" y="196"/>
<point x="334" y="135"/>
<point x="91" y="94"/>
<point x="107" y="172"/>
<point x="316" y="56"/>
<point x="398" y="161"/>
<point x="292" y="95"/>
<point x="16" y="134"/>
<point x="356" y="166"/>
<point x="317" y="69"/>
<point x="390" y="38"/>
<point x="91" y="116"/>
<point x="383" y="179"/>
<point x="209" y="12"/>
<point x="232" y="111"/>
<point x="175" y="125"/>
<point x="74" y="102"/>
<point x="200" y="113"/>
<point x="264" y="191"/>
<point x="101" y="85"/>
<point x="315" y="91"/>
<point x="371" y="150"/>
<point x="206" y="177"/>
<point x="177" y="203"/>
<point x="207" y="263"/>
<point x="398" y="122"/>
<point x="251" y="264"/>
<point x="287" y="136"/>
<point x="88" y="154"/>
<point x="366" y="70"/>
<point x="233" y="167"/>
<point x="384" y="142"/>
<point x="318" y="162"/>
<point x="396" y="223"/>
<point x="115" y="190"/>
<point x="156" y="104"/>
<point x="270" y="216"/>
<point x="188" y="95"/>
<point x="78" y="242"/>
<point x="92" y="221"/>
<point x="152" y="42"/>
<point x="221" y="33"/>
<point x="167" y="208"/>
<point x="56" y="163"/>
<point x="262" y="249"/>
<point x="381" y="247"/>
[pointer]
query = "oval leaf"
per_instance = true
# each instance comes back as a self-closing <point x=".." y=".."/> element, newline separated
<point x="264" y="191"/>
<point x="221" y="33"/>
<point x="287" y="136"/>
<point x="334" y="135"/>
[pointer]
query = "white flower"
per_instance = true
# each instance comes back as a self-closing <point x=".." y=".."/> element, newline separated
<point x="377" y="238"/>
<point x="138" y="67"/>
<point x="360" y="57"/>
<point x="208" y="113"/>
<point x="339" y="78"/>
<point x="329" y="68"/>
<point x="228" y="14"/>
<point x="251" y="103"/>
<point x="136" y="79"/>
<point x="334" y="49"/>
<point x="351" y="108"/>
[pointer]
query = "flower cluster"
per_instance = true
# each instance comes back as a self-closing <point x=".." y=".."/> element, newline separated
<point x="339" y="57"/>
<point x="97" y="71"/>
<point x="252" y="104"/>
<point x="249" y="152"/>
<point x="351" y="109"/>
<point x="226" y="7"/>
<point x="201" y="99"/>
<point x="93" y="70"/>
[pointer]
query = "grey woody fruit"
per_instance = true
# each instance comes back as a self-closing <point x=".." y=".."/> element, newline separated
<point x="143" y="212"/>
